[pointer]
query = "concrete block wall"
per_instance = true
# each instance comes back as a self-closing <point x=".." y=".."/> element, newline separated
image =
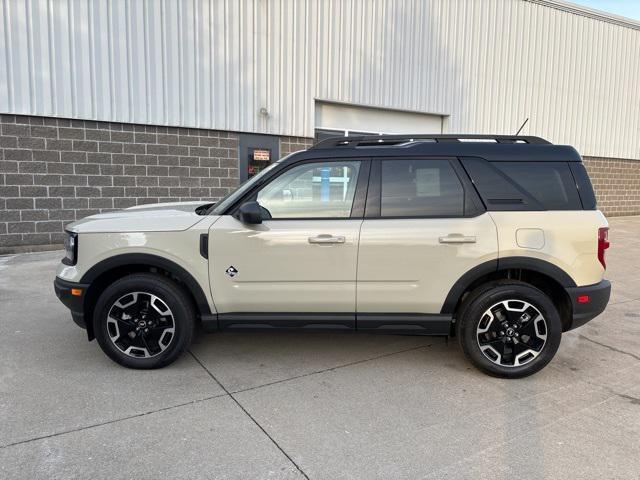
<point x="54" y="171"/>
<point x="617" y="184"/>
<point x="293" y="144"/>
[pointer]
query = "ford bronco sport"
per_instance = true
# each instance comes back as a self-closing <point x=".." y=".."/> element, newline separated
<point x="493" y="239"/>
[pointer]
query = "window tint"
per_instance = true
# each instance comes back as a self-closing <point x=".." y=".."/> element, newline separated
<point x="311" y="190"/>
<point x="550" y="183"/>
<point x="498" y="192"/>
<point x="585" y="189"/>
<point x="416" y="188"/>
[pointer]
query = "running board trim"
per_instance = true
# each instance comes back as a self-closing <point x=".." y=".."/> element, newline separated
<point x="405" y="323"/>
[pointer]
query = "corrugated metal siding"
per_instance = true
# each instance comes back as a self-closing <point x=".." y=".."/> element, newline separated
<point x="488" y="64"/>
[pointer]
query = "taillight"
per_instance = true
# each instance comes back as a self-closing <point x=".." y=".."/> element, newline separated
<point x="603" y="244"/>
<point x="583" y="299"/>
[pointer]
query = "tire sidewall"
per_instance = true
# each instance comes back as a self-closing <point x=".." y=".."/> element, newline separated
<point x="169" y="293"/>
<point x="473" y="314"/>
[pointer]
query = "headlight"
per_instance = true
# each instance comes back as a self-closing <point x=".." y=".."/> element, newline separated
<point x="70" y="248"/>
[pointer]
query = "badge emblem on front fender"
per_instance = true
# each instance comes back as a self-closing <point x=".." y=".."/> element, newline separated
<point x="231" y="271"/>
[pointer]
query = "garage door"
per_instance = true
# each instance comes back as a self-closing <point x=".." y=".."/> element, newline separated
<point x="333" y="119"/>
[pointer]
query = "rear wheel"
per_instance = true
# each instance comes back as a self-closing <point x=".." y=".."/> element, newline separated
<point x="509" y="329"/>
<point x="144" y="321"/>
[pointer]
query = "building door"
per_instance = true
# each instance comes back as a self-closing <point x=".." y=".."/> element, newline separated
<point x="256" y="153"/>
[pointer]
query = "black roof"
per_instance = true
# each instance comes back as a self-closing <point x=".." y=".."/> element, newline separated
<point x="497" y="148"/>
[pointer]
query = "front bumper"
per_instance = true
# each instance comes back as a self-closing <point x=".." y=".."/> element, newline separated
<point x="598" y="295"/>
<point x="75" y="303"/>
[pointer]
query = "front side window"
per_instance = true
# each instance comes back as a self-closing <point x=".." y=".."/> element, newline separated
<point x="311" y="190"/>
<point x="420" y="188"/>
<point x="231" y="198"/>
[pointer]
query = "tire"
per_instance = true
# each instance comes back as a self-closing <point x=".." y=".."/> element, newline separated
<point x="144" y="321"/>
<point x="509" y="329"/>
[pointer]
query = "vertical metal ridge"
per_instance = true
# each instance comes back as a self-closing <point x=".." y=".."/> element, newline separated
<point x="215" y="63"/>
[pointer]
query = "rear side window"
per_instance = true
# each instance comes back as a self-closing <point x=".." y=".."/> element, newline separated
<point x="420" y="188"/>
<point x="524" y="185"/>
<point x="550" y="183"/>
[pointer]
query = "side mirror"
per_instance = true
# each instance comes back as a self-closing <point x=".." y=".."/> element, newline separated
<point x="250" y="212"/>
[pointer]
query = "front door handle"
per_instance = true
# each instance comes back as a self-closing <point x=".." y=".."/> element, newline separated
<point x="457" y="238"/>
<point x="327" y="239"/>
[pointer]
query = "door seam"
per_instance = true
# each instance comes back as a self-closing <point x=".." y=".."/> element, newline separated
<point x="355" y="306"/>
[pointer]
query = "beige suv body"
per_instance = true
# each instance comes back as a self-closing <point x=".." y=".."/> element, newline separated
<point x="496" y="242"/>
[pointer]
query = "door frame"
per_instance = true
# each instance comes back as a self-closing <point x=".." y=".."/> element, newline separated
<point x="308" y="321"/>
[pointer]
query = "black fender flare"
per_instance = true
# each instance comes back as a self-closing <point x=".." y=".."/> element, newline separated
<point x="152" y="261"/>
<point x="527" y="263"/>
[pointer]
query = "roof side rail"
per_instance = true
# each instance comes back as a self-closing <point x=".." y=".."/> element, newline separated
<point x="396" y="140"/>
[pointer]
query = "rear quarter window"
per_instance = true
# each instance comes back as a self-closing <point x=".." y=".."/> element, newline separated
<point x="524" y="185"/>
<point x="550" y="183"/>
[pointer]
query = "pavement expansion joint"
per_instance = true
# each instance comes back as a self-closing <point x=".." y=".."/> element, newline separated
<point x="227" y="393"/>
<point x="330" y="369"/>
<point x="109" y="422"/>
<point x="613" y="349"/>
<point x="277" y="445"/>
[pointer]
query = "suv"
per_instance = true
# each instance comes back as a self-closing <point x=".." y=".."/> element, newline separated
<point x="493" y="239"/>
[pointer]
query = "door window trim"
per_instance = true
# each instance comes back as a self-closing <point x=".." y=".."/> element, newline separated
<point x="359" y="197"/>
<point x="472" y="206"/>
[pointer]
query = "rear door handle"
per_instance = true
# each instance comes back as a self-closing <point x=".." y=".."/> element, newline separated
<point x="457" y="238"/>
<point x="327" y="239"/>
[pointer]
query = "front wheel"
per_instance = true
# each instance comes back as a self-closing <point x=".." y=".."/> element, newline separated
<point x="143" y="321"/>
<point x="509" y="329"/>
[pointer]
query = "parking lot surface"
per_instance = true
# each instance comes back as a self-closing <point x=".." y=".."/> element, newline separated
<point x="318" y="406"/>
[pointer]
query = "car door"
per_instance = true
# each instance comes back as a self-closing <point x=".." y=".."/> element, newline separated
<point x="424" y="228"/>
<point x="297" y="267"/>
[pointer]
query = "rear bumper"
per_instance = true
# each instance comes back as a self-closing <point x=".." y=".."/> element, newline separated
<point x="75" y="303"/>
<point x="598" y="298"/>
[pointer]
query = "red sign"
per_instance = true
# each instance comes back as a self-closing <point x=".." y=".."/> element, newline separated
<point x="262" y="155"/>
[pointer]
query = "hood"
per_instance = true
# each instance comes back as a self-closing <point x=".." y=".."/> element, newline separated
<point x="156" y="217"/>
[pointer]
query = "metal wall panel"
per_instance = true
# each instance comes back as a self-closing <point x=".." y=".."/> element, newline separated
<point x="487" y="64"/>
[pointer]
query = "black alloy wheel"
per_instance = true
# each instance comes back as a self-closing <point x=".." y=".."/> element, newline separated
<point x="144" y="321"/>
<point x="509" y="328"/>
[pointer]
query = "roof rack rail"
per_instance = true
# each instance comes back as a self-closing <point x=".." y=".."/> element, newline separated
<point x="396" y="140"/>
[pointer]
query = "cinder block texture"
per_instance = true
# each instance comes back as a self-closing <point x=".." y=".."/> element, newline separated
<point x="54" y="171"/>
<point x="293" y="144"/>
<point x="617" y="185"/>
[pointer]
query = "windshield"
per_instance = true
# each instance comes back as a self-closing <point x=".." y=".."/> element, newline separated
<point x="227" y="201"/>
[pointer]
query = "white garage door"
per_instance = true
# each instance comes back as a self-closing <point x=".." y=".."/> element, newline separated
<point x="341" y="119"/>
